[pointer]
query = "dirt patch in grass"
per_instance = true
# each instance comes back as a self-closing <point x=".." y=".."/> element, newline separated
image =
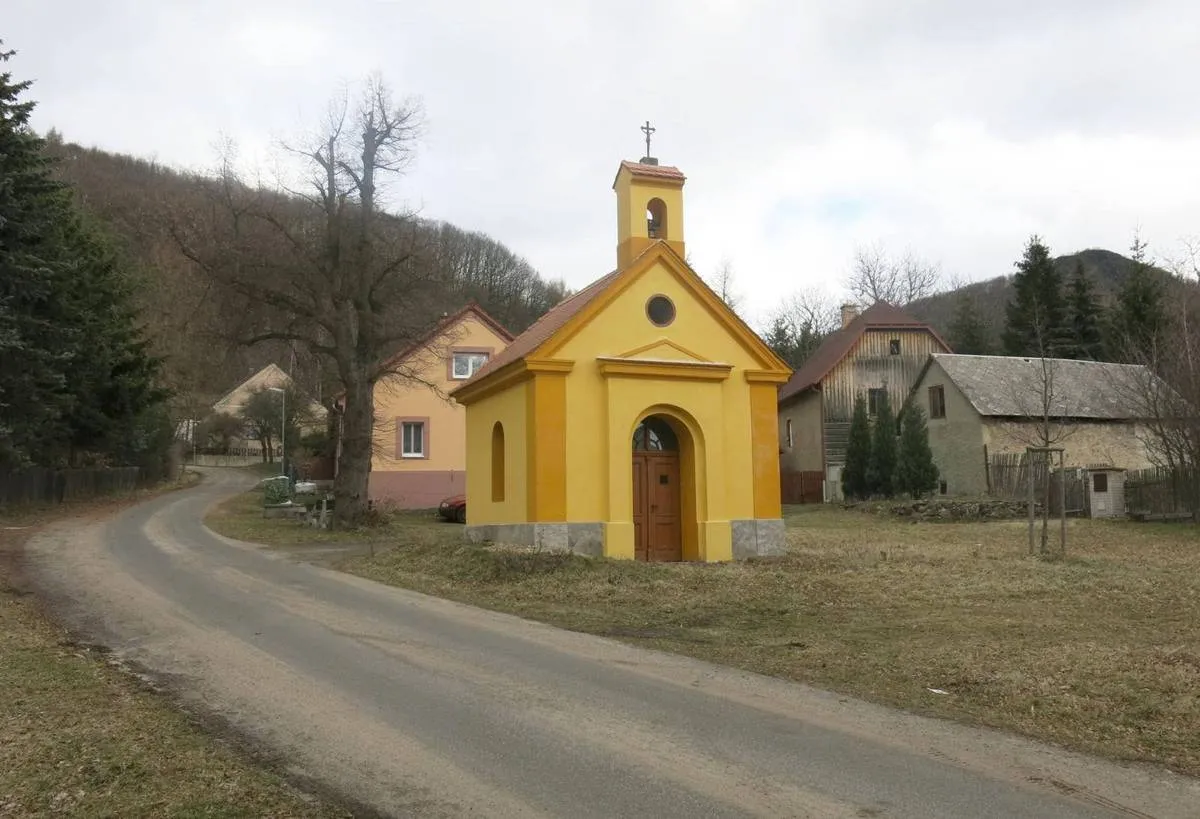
<point x="82" y="736"/>
<point x="1099" y="652"/>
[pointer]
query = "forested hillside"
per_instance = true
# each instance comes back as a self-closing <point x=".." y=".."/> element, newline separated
<point x="142" y="206"/>
<point x="1105" y="270"/>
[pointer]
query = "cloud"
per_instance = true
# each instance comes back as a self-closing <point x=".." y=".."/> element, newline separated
<point x="275" y="43"/>
<point x="954" y="129"/>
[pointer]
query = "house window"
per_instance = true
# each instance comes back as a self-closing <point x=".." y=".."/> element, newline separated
<point x="413" y="443"/>
<point x="497" y="462"/>
<point x="875" y="398"/>
<point x="466" y="364"/>
<point x="1100" y="482"/>
<point x="894" y="346"/>
<point x="941" y="487"/>
<point x="789" y="433"/>
<point x="937" y="402"/>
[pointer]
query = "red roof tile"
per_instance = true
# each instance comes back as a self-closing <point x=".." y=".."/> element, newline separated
<point x="448" y="321"/>
<point x="653" y="171"/>
<point x="543" y="328"/>
<point x="839" y="343"/>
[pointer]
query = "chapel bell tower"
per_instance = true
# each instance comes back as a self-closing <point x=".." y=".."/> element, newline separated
<point x="649" y="205"/>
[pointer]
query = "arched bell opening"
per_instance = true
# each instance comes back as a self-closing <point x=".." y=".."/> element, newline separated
<point x="656" y="219"/>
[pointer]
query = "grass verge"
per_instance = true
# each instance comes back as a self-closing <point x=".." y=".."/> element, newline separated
<point x="1099" y="652"/>
<point x="83" y="737"/>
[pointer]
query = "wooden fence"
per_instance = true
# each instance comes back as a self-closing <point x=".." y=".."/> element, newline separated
<point x="39" y="485"/>
<point x="802" y="487"/>
<point x="1165" y="492"/>
<point x="1009" y="476"/>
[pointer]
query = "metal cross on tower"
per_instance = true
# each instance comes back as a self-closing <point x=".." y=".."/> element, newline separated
<point x="647" y="130"/>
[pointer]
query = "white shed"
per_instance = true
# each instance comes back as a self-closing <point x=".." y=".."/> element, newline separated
<point x="1105" y="492"/>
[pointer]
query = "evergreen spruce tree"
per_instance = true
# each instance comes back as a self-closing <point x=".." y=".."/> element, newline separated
<point x="1037" y="315"/>
<point x="1084" y="318"/>
<point x="33" y="391"/>
<point x="968" y="334"/>
<point x="1139" y="317"/>
<point x="808" y="339"/>
<point x="75" y="374"/>
<point x="858" y="454"/>
<point x="916" y="473"/>
<point x="782" y="340"/>
<point x="881" y="471"/>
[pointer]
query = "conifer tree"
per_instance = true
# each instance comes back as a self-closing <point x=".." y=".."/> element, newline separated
<point x="34" y="396"/>
<point x="1037" y="316"/>
<point x="1139" y="317"/>
<point x="968" y="335"/>
<point x="855" y="484"/>
<point x="782" y="340"/>
<point x="74" y="371"/>
<point x="1084" y="317"/>
<point x="916" y="474"/>
<point x="881" y="472"/>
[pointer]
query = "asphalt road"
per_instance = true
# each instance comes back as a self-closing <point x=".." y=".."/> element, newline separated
<point x="421" y="707"/>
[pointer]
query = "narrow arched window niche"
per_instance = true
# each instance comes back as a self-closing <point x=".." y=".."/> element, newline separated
<point x="497" y="462"/>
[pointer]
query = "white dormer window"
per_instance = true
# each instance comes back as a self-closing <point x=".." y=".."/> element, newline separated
<point x="466" y="364"/>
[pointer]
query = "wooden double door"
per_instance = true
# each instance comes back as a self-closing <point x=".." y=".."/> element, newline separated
<point x="656" y="513"/>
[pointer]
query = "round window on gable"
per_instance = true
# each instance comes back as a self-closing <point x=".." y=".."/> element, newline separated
<point x="660" y="310"/>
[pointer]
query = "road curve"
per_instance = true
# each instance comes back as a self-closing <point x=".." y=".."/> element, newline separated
<point x="422" y="707"/>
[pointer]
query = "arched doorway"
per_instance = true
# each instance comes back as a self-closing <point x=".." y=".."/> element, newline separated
<point x="657" y="526"/>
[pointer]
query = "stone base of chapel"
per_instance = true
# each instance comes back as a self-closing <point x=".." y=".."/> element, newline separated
<point x="750" y="538"/>
<point x="580" y="538"/>
<point x="758" y="537"/>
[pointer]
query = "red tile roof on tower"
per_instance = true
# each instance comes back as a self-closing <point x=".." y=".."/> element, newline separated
<point x="652" y="171"/>
<point x="879" y="316"/>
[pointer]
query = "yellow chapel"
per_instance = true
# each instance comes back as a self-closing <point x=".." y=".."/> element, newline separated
<point x="637" y="418"/>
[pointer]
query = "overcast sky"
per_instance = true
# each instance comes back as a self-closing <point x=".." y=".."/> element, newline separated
<point x="954" y="129"/>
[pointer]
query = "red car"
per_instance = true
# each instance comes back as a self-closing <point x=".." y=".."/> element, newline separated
<point x="454" y="509"/>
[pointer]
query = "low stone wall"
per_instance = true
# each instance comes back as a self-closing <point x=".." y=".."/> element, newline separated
<point x="948" y="509"/>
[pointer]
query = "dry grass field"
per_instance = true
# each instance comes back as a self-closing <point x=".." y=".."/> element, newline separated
<point x="83" y="737"/>
<point x="1099" y="651"/>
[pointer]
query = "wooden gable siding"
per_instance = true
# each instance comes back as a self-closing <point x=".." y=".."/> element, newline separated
<point x="868" y="365"/>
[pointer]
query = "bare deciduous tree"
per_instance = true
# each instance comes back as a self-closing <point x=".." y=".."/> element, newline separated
<point x="723" y="284"/>
<point x="876" y="276"/>
<point x="328" y="267"/>
<point x="1165" y="392"/>
<point x="812" y="308"/>
<point x="798" y="326"/>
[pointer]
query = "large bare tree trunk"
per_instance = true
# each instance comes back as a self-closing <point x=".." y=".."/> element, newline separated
<point x="350" y="486"/>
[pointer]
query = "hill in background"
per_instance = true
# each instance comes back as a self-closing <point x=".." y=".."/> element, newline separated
<point x="1106" y="270"/>
<point x="137" y="202"/>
